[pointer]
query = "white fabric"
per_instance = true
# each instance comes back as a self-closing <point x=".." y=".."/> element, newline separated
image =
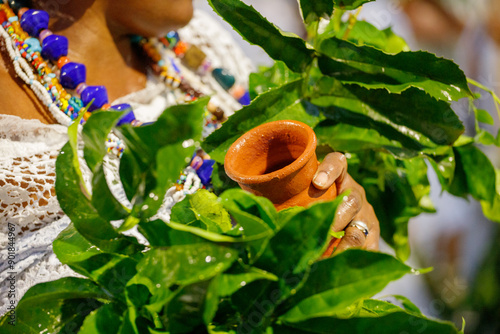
<point x="28" y="150"/>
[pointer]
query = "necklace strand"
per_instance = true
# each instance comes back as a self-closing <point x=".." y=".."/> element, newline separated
<point x="64" y="106"/>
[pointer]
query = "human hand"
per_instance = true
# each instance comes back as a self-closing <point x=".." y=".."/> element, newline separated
<point x="354" y="208"/>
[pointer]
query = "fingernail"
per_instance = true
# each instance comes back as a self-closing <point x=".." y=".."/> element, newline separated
<point x="321" y="179"/>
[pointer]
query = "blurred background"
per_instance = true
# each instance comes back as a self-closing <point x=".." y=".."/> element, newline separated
<point x="458" y="242"/>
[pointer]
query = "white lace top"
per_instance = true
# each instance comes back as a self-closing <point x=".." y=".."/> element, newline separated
<point x="28" y="150"/>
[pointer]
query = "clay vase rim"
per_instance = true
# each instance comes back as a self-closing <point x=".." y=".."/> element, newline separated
<point x="264" y="130"/>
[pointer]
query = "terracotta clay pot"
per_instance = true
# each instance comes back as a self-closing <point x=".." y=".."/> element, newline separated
<point x="278" y="160"/>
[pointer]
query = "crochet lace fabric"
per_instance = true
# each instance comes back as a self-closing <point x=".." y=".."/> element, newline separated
<point x="28" y="150"/>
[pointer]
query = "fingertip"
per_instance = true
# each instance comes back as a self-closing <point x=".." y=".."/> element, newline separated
<point x="321" y="180"/>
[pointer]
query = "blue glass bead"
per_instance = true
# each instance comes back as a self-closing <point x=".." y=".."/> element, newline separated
<point x="223" y="77"/>
<point x="33" y="21"/>
<point x="73" y="74"/>
<point x="95" y="94"/>
<point x="205" y="171"/>
<point x="34" y="44"/>
<point x="15" y="5"/>
<point x="13" y="19"/>
<point x="128" y="117"/>
<point x="54" y="47"/>
<point x="173" y="38"/>
<point x="245" y="99"/>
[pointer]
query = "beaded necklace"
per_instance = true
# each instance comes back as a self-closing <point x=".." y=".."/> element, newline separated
<point x="40" y="59"/>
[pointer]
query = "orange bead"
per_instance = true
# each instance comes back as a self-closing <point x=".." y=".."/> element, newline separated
<point x="180" y="48"/>
<point x="106" y="106"/>
<point x="62" y="61"/>
<point x="87" y="115"/>
<point x="21" y="12"/>
<point x="237" y="91"/>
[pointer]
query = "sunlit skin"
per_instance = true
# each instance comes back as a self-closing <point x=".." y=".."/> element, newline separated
<point x="98" y="32"/>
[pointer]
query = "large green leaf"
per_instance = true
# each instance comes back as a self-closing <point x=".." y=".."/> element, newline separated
<point x="364" y="33"/>
<point x="103" y="200"/>
<point x="78" y="207"/>
<point x="256" y="218"/>
<point x="55" y="307"/>
<point x="373" y="68"/>
<point x="184" y="312"/>
<point x="307" y="231"/>
<point x="202" y="208"/>
<point x="155" y="151"/>
<point x="412" y="117"/>
<point x="270" y="77"/>
<point x="375" y="317"/>
<point x="181" y="265"/>
<point x="347" y="138"/>
<point x="258" y="206"/>
<point x="104" y="320"/>
<point x="111" y="271"/>
<point x="95" y="133"/>
<point x="313" y="10"/>
<point x="226" y="284"/>
<point x="277" y="104"/>
<point x="257" y="30"/>
<point x="338" y="282"/>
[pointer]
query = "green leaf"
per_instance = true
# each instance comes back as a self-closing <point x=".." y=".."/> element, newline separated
<point x="350" y="4"/>
<point x="492" y="209"/>
<point x="270" y="77"/>
<point x="257" y="30"/>
<point x="103" y="200"/>
<point x="338" y="282"/>
<point x="70" y="246"/>
<point x="256" y="219"/>
<point x="277" y="104"/>
<point x="95" y="133"/>
<point x="401" y="196"/>
<point x="258" y="206"/>
<point x="486" y="138"/>
<point x="364" y="33"/>
<point x="182" y="265"/>
<point x="161" y="234"/>
<point x="155" y="151"/>
<point x="51" y="307"/>
<point x="111" y="271"/>
<point x="202" y="207"/>
<point x="307" y="231"/>
<point x="313" y="10"/>
<point x="78" y="207"/>
<point x="184" y="312"/>
<point x="484" y="117"/>
<point x="375" y="317"/>
<point x="403" y="117"/>
<point x="474" y="174"/>
<point x="347" y="138"/>
<point x="408" y="305"/>
<point x="372" y="68"/>
<point x="220" y="180"/>
<point x="105" y="319"/>
<point x="225" y="285"/>
<point x="170" y="160"/>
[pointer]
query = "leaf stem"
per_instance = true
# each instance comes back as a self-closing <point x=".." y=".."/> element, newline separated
<point x="496" y="99"/>
<point x="352" y="21"/>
